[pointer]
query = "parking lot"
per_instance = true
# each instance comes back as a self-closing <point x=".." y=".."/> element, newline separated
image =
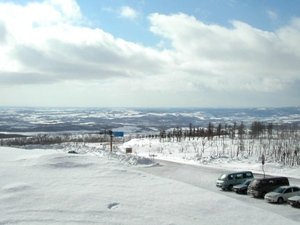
<point x="205" y="178"/>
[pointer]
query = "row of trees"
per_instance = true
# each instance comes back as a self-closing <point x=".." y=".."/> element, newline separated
<point x="47" y="139"/>
<point x="279" y="143"/>
<point x="255" y="130"/>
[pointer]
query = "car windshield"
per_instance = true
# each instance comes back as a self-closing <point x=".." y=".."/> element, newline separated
<point x="247" y="182"/>
<point x="279" y="190"/>
<point x="222" y="177"/>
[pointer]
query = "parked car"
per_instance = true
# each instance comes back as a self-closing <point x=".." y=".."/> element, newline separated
<point x="228" y="180"/>
<point x="282" y="193"/>
<point x="260" y="186"/>
<point x="242" y="188"/>
<point x="294" y="201"/>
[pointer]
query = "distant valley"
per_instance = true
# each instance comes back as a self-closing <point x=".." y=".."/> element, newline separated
<point x="134" y="120"/>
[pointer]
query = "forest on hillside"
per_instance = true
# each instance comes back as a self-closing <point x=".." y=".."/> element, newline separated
<point x="278" y="143"/>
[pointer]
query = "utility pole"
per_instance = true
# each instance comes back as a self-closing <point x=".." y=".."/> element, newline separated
<point x="111" y="139"/>
<point x="263" y="164"/>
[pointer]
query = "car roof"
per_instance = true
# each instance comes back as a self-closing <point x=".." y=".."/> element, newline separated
<point x="240" y="172"/>
<point x="268" y="178"/>
<point x="287" y="186"/>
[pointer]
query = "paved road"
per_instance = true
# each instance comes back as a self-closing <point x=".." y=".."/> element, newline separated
<point x="205" y="178"/>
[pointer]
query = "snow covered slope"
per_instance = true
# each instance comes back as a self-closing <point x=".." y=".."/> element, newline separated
<point x="54" y="187"/>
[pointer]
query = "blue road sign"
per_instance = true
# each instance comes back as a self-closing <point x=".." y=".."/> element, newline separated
<point x="118" y="133"/>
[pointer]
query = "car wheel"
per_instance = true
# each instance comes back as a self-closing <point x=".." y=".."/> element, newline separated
<point x="230" y="188"/>
<point x="280" y="200"/>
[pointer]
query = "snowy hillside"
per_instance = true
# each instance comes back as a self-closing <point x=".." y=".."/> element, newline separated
<point x="208" y="153"/>
<point x="96" y="187"/>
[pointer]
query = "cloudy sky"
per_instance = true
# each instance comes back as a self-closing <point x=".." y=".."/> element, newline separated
<point x="150" y="53"/>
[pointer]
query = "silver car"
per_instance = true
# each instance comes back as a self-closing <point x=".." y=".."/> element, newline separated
<point x="282" y="193"/>
<point x="294" y="201"/>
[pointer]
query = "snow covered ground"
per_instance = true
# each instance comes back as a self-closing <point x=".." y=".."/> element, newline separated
<point x="186" y="152"/>
<point x="50" y="186"/>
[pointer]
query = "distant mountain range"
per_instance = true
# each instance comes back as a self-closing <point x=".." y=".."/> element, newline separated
<point x="134" y="120"/>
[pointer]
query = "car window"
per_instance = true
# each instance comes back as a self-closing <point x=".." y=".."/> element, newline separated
<point x="296" y="189"/>
<point x="247" y="182"/>
<point x="263" y="182"/>
<point x="271" y="182"/>
<point x="278" y="181"/>
<point x="239" y="176"/>
<point x="230" y="177"/>
<point x="282" y="181"/>
<point x="288" y="190"/>
<point x="280" y="190"/>
<point x="249" y="175"/>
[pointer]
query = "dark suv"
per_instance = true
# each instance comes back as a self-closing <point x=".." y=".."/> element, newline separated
<point x="260" y="186"/>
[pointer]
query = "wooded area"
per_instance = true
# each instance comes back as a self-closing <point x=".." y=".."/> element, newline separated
<point x="278" y="143"/>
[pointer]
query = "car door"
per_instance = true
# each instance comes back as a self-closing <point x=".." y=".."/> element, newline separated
<point x="296" y="191"/>
<point x="288" y="193"/>
<point x="239" y="178"/>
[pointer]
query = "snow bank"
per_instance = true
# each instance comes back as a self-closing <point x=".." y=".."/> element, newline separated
<point x="96" y="149"/>
<point x="54" y="187"/>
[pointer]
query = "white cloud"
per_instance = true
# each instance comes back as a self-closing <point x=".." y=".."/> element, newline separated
<point x="69" y="8"/>
<point x="241" y="57"/>
<point x="272" y="14"/>
<point x="58" y="48"/>
<point x="128" y="12"/>
<point x="46" y="43"/>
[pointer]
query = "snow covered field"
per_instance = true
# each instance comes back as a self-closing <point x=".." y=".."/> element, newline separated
<point x="50" y="186"/>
